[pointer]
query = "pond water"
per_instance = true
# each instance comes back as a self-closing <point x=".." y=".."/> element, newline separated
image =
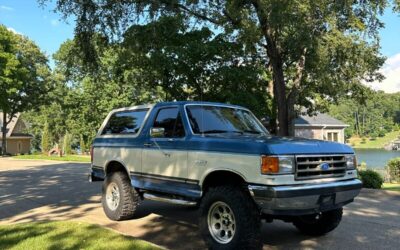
<point x="375" y="158"/>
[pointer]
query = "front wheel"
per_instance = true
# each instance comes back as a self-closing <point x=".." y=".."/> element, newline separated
<point x="229" y="219"/>
<point x="319" y="224"/>
<point x="119" y="199"/>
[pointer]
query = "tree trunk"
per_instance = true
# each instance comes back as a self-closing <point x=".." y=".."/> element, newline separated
<point x="293" y="96"/>
<point x="280" y="98"/>
<point x="275" y="60"/>
<point x="4" y="134"/>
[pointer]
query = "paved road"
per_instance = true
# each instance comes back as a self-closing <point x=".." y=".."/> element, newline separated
<point x="44" y="190"/>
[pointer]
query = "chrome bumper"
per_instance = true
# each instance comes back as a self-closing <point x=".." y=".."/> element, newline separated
<point x="304" y="199"/>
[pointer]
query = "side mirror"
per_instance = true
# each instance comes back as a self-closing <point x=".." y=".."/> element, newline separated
<point x="157" y="132"/>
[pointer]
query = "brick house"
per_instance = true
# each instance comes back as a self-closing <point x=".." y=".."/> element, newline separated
<point x="321" y="126"/>
<point x="18" y="141"/>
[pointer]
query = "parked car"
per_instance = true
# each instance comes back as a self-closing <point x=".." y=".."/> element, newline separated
<point x="221" y="158"/>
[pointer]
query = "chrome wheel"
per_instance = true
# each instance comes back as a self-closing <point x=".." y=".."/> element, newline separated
<point x="112" y="196"/>
<point x="221" y="222"/>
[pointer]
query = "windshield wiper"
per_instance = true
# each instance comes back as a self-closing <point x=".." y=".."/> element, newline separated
<point x="219" y="131"/>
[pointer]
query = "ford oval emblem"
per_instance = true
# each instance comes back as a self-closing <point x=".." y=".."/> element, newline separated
<point x="324" y="166"/>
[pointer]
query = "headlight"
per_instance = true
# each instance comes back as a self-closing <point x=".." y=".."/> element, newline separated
<point x="277" y="164"/>
<point x="351" y="162"/>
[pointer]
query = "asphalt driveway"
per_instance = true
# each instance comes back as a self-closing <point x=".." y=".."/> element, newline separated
<point x="45" y="190"/>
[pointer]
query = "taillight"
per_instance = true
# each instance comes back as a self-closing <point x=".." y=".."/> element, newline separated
<point x="91" y="153"/>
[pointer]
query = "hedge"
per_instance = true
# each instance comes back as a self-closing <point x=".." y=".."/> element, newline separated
<point x="370" y="179"/>
<point x="393" y="169"/>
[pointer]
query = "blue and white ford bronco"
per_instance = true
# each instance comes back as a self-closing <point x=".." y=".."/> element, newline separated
<point x="221" y="158"/>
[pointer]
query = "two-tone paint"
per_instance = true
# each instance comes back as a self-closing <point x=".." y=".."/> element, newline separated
<point x="179" y="166"/>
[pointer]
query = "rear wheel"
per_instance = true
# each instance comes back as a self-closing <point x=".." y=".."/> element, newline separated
<point x="319" y="224"/>
<point x="229" y="219"/>
<point x="119" y="199"/>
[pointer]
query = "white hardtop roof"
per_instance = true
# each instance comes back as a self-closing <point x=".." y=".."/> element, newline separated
<point x="144" y="106"/>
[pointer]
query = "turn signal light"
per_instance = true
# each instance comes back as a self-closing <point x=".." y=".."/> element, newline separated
<point x="269" y="165"/>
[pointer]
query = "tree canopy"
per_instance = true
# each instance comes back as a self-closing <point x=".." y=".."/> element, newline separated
<point x="23" y="76"/>
<point x="167" y="63"/>
<point x="313" y="50"/>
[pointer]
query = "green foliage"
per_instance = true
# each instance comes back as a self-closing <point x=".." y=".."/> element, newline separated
<point x="309" y="49"/>
<point x="374" y="118"/>
<point x="194" y="64"/>
<point x="370" y="179"/>
<point x="82" y="145"/>
<point x="23" y="75"/>
<point x="67" y="143"/>
<point x="393" y="169"/>
<point x="46" y="143"/>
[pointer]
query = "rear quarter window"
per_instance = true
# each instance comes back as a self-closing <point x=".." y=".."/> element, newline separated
<point x="125" y="122"/>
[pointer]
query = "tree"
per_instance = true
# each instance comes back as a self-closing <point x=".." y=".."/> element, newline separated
<point x="375" y="117"/>
<point x="314" y="50"/>
<point x="82" y="145"/>
<point x="46" y="143"/>
<point x="67" y="143"/>
<point x="23" y="74"/>
<point x="193" y="64"/>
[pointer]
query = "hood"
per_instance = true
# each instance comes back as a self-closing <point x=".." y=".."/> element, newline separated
<point x="294" y="145"/>
<point x="269" y="145"/>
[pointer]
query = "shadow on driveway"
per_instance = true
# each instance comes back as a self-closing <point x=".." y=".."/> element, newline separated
<point x="60" y="191"/>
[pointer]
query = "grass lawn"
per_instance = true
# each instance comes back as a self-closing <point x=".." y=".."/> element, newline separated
<point x="65" y="235"/>
<point x="76" y="158"/>
<point x="379" y="142"/>
<point x="391" y="186"/>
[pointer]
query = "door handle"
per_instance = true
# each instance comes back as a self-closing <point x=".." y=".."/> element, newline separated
<point x="148" y="144"/>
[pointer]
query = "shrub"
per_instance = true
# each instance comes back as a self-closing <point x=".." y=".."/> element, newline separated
<point x="82" y="145"/>
<point x="381" y="133"/>
<point x="393" y="169"/>
<point x="67" y="144"/>
<point x="370" y="179"/>
<point x="46" y="143"/>
<point x="363" y="140"/>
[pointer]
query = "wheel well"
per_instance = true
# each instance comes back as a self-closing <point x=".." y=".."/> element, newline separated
<point x="222" y="177"/>
<point x="115" y="166"/>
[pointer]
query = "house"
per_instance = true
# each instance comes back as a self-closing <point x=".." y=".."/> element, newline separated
<point x="321" y="126"/>
<point x="18" y="141"/>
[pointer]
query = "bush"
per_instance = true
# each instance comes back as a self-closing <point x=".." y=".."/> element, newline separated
<point x="370" y="179"/>
<point x="393" y="169"/>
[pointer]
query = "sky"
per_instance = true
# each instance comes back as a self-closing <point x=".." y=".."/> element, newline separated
<point x="49" y="31"/>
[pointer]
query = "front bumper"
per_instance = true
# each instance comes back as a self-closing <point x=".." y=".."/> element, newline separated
<point x="306" y="198"/>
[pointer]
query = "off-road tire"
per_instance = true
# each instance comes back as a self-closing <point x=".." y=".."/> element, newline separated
<point x="129" y="198"/>
<point x="327" y="222"/>
<point x="247" y="218"/>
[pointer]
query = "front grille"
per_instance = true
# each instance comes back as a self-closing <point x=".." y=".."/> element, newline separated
<point x="311" y="166"/>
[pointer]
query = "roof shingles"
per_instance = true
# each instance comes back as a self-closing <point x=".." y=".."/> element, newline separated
<point x="318" y="120"/>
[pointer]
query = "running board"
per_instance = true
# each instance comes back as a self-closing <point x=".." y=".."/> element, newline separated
<point x="162" y="198"/>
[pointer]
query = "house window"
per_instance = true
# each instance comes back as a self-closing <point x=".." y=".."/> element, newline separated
<point x="333" y="136"/>
<point x="19" y="147"/>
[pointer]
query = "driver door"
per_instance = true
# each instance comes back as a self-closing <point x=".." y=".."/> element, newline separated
<point x="163" y="156"/>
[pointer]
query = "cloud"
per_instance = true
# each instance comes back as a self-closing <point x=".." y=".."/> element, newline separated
<point x="3" y="7"/>
<point x="391" y="71"/>
<point x="14" y="31"/>
<point x="54" y="22"/>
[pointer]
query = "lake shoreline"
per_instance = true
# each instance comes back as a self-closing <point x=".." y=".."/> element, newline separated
<point x="375" y="158"/>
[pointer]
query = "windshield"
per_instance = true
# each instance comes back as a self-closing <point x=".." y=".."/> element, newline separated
<point x="217" y="119"/>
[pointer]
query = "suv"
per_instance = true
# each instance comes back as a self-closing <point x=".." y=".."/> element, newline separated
<point x="221" y="158"/>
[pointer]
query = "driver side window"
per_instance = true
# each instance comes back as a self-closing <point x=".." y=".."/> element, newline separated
<point x="171" y="120"/>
